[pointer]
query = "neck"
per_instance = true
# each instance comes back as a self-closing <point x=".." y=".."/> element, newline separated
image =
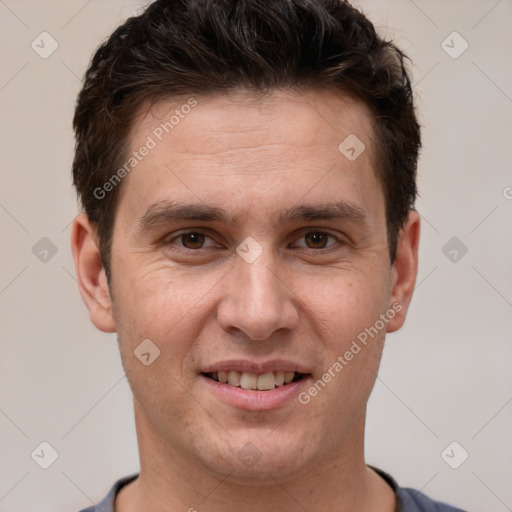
<point x="170" y="480"/>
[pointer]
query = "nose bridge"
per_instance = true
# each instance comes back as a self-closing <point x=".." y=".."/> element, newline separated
<point x="258" y="302"/>
<point x="258" y="279"/>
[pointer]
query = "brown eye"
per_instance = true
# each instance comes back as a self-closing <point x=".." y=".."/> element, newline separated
<point x="192" y="240"/>
<point x="316" y="239"/>
<point x="189" y="242"/>
<point x="318" y="243"/>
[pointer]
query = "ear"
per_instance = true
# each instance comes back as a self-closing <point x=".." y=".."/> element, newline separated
<point x="92" y="279"/>
<point x="404" y="270"/>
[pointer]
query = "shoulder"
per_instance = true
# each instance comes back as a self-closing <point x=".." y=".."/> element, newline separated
<point x="411" y="500"/>
<point x="107" y="503"/>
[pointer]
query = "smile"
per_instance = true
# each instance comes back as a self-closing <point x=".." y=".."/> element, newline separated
<point x="262" y="382"/>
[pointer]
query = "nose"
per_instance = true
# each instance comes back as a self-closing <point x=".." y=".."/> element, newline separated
<point x="258" y="299"/>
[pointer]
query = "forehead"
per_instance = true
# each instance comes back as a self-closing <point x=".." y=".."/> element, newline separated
<point x="253" y="152"/>
<point x="322" y="116"/>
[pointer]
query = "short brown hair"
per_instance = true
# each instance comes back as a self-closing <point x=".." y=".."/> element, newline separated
<point x="184" y="47"/>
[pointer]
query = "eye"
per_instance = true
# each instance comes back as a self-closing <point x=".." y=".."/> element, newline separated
<point x="195" y="240"/>
<point x="318" y="240"/>
<point x="191" y="240"/>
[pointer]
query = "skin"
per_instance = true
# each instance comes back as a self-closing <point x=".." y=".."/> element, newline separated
<point x="298" y="301"/>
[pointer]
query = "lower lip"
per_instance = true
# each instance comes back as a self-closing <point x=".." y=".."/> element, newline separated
<point x="253" y="400"/>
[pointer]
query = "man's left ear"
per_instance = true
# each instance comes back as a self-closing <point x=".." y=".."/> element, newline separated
<point x="404" y="271"/>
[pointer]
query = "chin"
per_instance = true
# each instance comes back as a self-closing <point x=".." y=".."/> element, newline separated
<point x="255" y="459"/>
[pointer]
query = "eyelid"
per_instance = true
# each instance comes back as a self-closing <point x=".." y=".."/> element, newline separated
<point x="324" y="232"/>
<point x="169" y="239"/>
<point x="297" y="236"/>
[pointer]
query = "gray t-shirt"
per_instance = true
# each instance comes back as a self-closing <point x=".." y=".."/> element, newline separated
<point x="407" y="500"/>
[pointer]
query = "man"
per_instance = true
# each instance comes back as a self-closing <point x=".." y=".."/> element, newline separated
<point x="247" y="173"/>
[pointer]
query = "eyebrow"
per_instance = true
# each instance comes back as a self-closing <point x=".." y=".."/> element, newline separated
<point x="166" y="212"/>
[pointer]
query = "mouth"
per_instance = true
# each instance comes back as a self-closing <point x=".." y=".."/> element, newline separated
<point x="253" y="381"/>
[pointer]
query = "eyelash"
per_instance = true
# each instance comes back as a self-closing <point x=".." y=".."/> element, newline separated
<point x="169" y="241"/>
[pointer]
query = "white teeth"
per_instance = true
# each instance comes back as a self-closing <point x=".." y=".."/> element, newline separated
<point x="288" y="377"/>
<point x="279" y="376"/>
<point x="248" y="380"/>
<point x="266" y="381"/>
<point x="234" y="378"/>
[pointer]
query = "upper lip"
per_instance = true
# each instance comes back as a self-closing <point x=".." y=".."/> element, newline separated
<point x="258" y="367"/>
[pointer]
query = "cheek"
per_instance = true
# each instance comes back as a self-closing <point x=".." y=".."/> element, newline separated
<point x="154" y="299"/>
<point x="342" y="307"/>
<point x="347" y="314"/>
<point x="153" y="303"/>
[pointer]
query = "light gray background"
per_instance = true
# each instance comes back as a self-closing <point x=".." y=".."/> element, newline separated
<point x="444" y="377"/>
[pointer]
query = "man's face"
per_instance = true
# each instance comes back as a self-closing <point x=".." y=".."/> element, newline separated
<point x="294" y="297"/>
